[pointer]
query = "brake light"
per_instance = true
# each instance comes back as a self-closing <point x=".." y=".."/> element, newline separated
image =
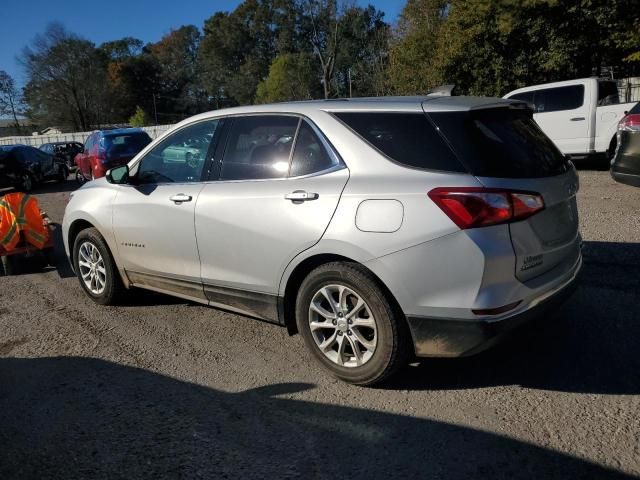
<point x="630" y="122"/>
<point x="482" y="207"/>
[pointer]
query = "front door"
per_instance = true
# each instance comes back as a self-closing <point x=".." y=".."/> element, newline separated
<point x="153" y="216"/>
<point x="278" y="188"/>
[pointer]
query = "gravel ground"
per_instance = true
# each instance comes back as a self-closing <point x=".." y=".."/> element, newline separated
<point x="162" y="388"/>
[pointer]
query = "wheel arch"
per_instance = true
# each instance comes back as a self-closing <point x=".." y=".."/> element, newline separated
<point x="75" y="228"/>
<point x="306" y="266"/>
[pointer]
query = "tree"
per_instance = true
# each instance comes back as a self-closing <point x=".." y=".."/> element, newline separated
<point x="176" y="56"/>
<point x="65" y="80"/>
<point x="140" y="118"/>
<point x="413" y="52"/>
<point x="291" y="77"/>
<point x="10" y="99"/>
<point x="238" y="48"/>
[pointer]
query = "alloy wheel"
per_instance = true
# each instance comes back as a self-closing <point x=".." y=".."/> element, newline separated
<point x="342" y="325"/>
<point x="92" y="268"/>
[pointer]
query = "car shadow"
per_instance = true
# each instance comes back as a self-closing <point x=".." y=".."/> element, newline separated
<point x="590" y="345"/>
<point x="597" y="163"/>
<point x="71" y="417"/>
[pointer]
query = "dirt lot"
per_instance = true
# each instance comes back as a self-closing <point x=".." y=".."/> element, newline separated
<point x="161" y="388"/>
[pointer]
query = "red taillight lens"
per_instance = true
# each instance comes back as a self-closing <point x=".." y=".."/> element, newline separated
<point x="630" y="122"/>
<point x="481" y="207"/>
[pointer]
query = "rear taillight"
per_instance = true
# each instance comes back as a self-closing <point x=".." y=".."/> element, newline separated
<point x="481" y="207"/>
<point x="630" y="122"/>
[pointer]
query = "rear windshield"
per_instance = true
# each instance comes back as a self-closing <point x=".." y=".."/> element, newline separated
<point x="501" y="142"/>
<point x="131" y="141"/>
<point x="635" y="109"/>
<point x="406" y="138"/>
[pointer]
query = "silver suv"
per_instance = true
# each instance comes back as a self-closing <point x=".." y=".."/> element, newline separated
<point x="377" y="228"/>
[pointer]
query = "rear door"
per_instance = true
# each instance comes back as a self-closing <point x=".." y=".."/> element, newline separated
<point x="504" y="148"/>
<point x="277" y="189"/>
<point x="564" y="114"/>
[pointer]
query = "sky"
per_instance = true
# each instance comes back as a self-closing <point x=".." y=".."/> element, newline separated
<point x="101" y="21"/>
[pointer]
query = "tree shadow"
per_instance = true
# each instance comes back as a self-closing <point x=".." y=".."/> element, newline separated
<point x="590" y="345"/>
<point x="87" y="418"/>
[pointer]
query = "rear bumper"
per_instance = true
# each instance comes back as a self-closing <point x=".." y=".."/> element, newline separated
<point x="626" y="178"/>
<point x="438" y="337"/>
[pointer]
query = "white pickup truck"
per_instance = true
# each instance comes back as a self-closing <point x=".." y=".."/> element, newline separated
<point x="580" y="116"/>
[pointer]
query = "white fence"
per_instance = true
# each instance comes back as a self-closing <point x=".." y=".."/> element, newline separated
<point x="37" y="140"/>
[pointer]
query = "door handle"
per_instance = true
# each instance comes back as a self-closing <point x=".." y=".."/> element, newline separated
<point x="301" y="196"/>
<point x="577" y="119"/>
<point x="180" y="198"/>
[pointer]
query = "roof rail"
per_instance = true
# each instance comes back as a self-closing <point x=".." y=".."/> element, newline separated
<point x="442" y="91"/>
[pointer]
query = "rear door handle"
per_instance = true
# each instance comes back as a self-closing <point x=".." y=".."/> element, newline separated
<point x="180" y="198"/>
<point x="577" y="119"/>
<point x="301" y="196"/>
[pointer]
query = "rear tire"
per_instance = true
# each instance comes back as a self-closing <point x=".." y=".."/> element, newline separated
<point x="95" y="268"/>
<point x="376" y="329"/>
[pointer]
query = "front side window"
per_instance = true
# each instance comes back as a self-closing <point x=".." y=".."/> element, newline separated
<point x="309" y="155"/>
<point x="558" y="99"/>
<point x="259" y="147"/>
<point x="180" y="158"/>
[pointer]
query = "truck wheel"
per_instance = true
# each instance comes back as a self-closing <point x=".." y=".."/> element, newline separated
<point x="350" y="325"/>
<point x="95" y="268"/>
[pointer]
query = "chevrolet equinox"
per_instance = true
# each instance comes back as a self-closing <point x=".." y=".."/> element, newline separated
<point x="379" y="229"/>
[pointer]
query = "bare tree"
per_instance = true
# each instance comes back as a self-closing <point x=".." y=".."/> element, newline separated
<point x="65" y="79"/>
<point x="323" y="18"/>
<point x="10" y="99"/>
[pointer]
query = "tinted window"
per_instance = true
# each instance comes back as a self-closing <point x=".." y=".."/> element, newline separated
<point x="125" y="143"/>
<point x="180" y="157"/>
<point x="635" y="109"/>
<point x="309" y="154"/>
<point x="501" y="142"/>
<point x="407" y="138"/>
<point x="259" y="147"/>
<point x="608" y="93"/>
<point x="89" y="143"/>
<point x="561" y="98"/>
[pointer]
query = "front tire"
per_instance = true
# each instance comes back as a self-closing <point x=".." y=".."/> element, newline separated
<point x="95" y="268"/>
<point x="350" y="325"/>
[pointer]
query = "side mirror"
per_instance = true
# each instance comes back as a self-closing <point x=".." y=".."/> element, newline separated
<point x="118" y="175"/>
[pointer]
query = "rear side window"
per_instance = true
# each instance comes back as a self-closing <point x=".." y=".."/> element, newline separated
<point x="635" y="109"/>
<point x="557" y="99"/>
<point x="259" y="147"/>
<point x="608" y="93"/>
<point x="309" y="154"/>
<point x="501" y="142"/>
<point x="407" y="138"/>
